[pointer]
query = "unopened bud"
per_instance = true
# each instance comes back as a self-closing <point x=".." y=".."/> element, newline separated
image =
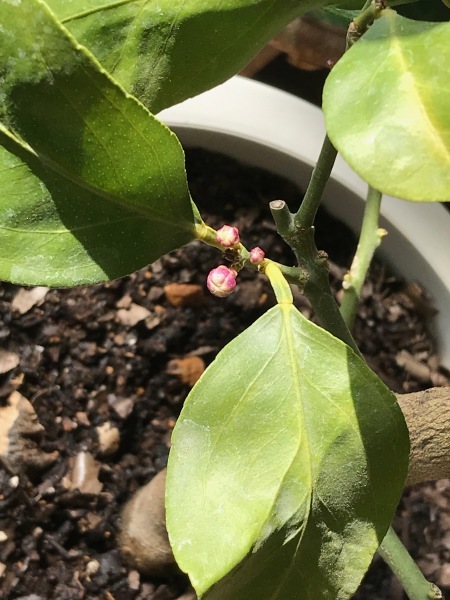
<point x="228" y="236"/>
<point x="257" y="255"/>
<point x="221" y="281"/>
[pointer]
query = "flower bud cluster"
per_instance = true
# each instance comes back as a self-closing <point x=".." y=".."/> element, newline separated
<point x="221" y="281"/>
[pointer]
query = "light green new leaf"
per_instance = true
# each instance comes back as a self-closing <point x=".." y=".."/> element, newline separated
<point x="287" y="462"/>
<point x="92" y="187"/>
<point x="166" y="51"/>
<point x="387" y="108"/>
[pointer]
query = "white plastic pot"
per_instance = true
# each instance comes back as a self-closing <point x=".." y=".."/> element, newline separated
<point x="266" y="127"/>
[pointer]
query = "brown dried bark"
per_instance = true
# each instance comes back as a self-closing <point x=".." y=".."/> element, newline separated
<point x="427" y="415"/>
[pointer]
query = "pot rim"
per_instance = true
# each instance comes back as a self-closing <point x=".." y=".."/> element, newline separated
<point x="293" y="130"/>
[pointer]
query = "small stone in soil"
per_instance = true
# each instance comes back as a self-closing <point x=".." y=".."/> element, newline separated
<point x="132" y="315"/>
<point x="184" y="294"/>
<point x="189" y="369"/>
<point x="83" y="475"/>
<point x="108" y="439"/>
<point x="8" y="361"/>
<point x="19" y="427"/>
<point x="25" y="299"/>
<point x="143" y="539"/>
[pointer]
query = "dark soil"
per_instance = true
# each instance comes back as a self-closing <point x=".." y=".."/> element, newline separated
<point x="83" y="362"/>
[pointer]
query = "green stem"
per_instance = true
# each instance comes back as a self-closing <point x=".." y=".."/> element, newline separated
<point x="408" y="573"/>
<point x="284" y="219"/>
<point x="313" y="266"/>
<point x="292" y="274"/>
<point x="369" y="241"/>
<point x="371" y="11"/>
<point x="367" y="16"/>
<point x="298" y="231"/>
<point x="321" y="174"/>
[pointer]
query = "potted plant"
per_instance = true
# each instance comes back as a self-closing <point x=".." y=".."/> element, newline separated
<point x="292" y="471"/>
<point x="238" y="118"/>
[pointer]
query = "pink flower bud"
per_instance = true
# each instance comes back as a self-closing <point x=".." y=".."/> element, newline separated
<point x="257" y="255"/>
<point x="221" y="281"/>
<point x="228" y="236"/>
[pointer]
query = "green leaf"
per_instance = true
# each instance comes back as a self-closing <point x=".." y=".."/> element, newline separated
<point x="92" y="187"/>
<point x="287" y="462"/>
<point x="387" y="108"/>
<point x="166" y="51"/>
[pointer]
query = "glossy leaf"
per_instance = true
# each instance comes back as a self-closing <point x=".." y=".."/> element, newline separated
<point x="387" y="108"/>
<point x="92" y="186"/>
<point x="287" y="462"/>
<point x="166" y="51"/>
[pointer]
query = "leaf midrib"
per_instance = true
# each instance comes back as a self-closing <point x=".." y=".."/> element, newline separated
<point x="286" y="313"/>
